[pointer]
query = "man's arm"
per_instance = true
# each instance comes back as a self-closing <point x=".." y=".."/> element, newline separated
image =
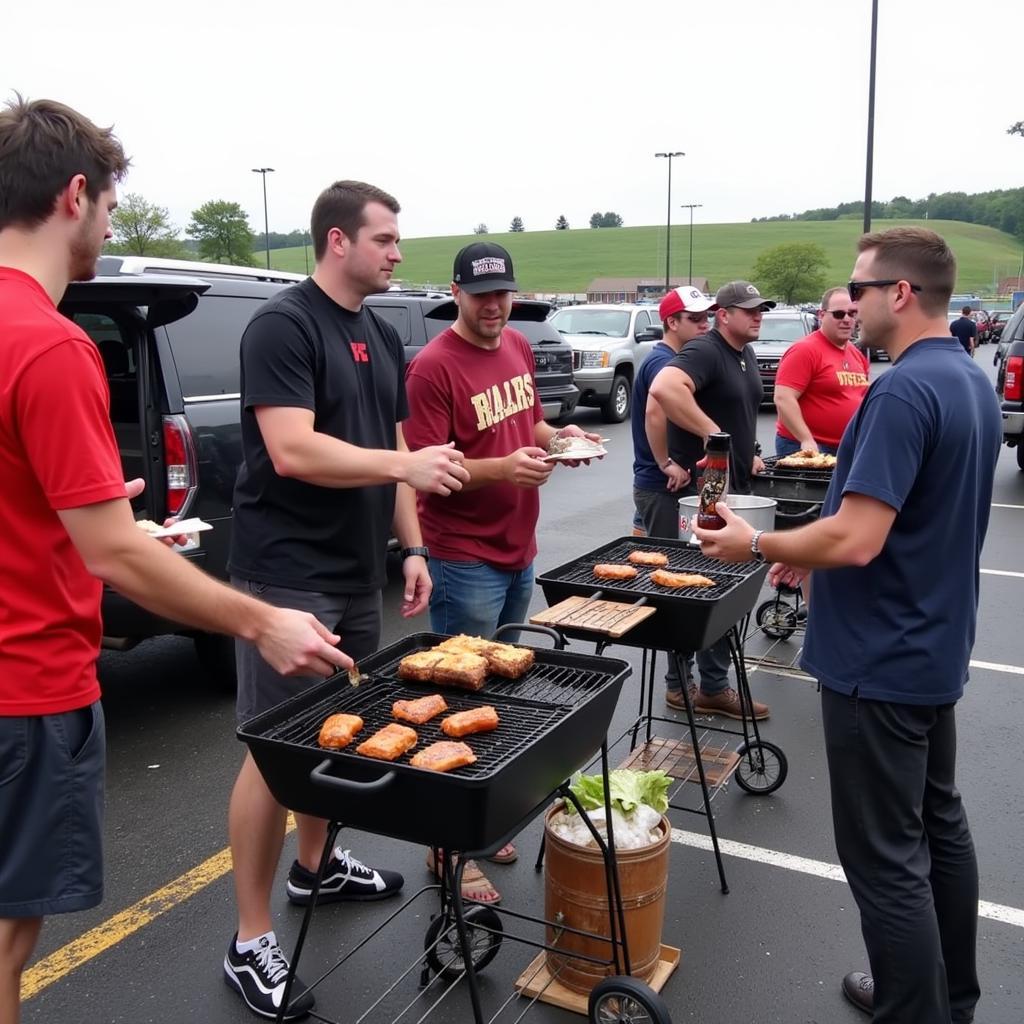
<point x="656" y="428"/>
<point x="673" y="389"/>
<point x="298" y="450"/>
<point x="787" y="403"/>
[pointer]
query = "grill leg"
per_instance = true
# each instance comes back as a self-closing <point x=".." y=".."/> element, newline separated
<point x="453" y="877"/>
<point x="700" y="773"/>
<point x="735" y="638"/>
<point x="539" y="863"/>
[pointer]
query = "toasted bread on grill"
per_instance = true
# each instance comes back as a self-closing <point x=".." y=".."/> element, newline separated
<point x="465" y="670"/>
<point x="420" y="710"/>
<point x="612" y="571"/>
<point x="389" y="743"/>
<point x="463" y="644"/>
<point x="419" y="666"/>
<point x="664" y="578"/>
<point x="655" y="558"/>
<point x="509" y="661"/>
<point x="465" y="723"/>
<point x="443" y="756"/>
<point x="339" y="730"/>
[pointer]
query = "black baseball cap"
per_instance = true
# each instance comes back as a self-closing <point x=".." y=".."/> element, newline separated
<point x="742" y="294"/>
<point x="484" y="267"/>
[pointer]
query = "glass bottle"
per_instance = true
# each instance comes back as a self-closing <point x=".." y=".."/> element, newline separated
<point x="714" y="484"/>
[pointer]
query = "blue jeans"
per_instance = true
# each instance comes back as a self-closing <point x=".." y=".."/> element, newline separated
<point x="476" y="598"/>
<point x="784" y="446"/>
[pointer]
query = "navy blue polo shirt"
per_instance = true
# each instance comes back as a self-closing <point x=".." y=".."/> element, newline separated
<point x="646" y="473"/>
<point x="925" y="441"/>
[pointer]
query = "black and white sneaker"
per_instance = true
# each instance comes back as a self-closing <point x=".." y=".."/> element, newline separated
<point x="345" y="879"/>
<point x="259" y="977"/>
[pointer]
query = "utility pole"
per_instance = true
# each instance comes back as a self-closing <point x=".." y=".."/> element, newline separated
<point x="871" y="117"/>
<point x="266" y="223"/>
<point x="668" y="217"/>
<point x="691" y="207"/>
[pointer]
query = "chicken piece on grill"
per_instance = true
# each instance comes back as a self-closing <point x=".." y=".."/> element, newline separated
<point x="676" y="580"/>
<point x="419" y="666"/>
<point x="613" y="571"/>
<point x="654" y="558"/>
<point x="389" y="743"/>
<point x="468" y="671"/>
<point x="465" y="723"/>
<point x="339" y="730"/>
<point x="509" y="661"/>
<point x="443" y="756"/>
<point x="463" y="644"/>
<point x="421" y="710"/>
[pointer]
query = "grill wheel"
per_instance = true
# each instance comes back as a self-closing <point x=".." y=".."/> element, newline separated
<point x="762" y="767"/>
<point x="443" y="950"/>
<point x="777" y="619"/>
<point x="625" y="1000"/>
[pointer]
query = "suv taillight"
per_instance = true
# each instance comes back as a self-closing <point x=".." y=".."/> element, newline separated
<point x="1013" y="385"/>
<point x="180" y="458"/>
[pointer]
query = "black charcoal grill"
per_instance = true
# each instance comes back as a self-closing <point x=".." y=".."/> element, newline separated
<point x="799" y="492"/>
<point x="552" y="720"/>
<point x="688" y="618"/>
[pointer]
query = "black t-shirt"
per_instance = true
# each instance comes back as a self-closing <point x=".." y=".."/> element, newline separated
<point x="964" y="328"/>
<point x="729" y="390"/>
<point x="302" y="350"/>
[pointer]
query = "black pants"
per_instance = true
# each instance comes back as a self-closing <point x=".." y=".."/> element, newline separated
<point x="904" y="843"/>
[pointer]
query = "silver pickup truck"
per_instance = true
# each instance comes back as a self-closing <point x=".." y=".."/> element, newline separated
<point x="609" y="343"/>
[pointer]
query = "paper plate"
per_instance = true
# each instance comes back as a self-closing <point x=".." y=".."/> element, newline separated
<point x="576" y="456"/>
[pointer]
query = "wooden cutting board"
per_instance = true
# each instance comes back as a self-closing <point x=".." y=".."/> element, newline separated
<point x="613" y="618"/>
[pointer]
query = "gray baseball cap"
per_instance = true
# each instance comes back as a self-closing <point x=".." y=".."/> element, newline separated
<point x="742" y="294"/>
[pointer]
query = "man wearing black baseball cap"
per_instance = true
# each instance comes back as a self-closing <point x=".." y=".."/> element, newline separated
<point x="713" y="385"/>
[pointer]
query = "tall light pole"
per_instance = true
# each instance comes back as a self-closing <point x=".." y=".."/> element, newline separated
<point x="266" y="223"/>
<point x="871" y="117"/>
<point x="691" y="207"/>
<point x="668" y="218"/>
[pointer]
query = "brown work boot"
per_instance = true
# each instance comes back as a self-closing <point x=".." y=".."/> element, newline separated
<point x="674" y="698"/>
<point x="727" y="703"/>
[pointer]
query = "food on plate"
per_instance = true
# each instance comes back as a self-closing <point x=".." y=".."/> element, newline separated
<point x="339" y="730"/>
<point x="508" y="661"/>
<point x="655" y="558"/>
<point x="419" y="666"/>
<point x="463" y="644"/>
<point x="443" y="756"/>
<point x="421" y="710"/>
<point x="578" y="447"/>
<point x="465" y="723"/>
<point x="464" y="670"/>
<point x="148" y="525"/>
<point x="664" y="578"/>
<point x="612" y="571"/>
<point x="389" y="743"/>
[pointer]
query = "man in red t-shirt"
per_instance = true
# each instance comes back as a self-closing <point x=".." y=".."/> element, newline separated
<point x="822" y="379"/>
<point x="65" y="525"/>
<point x="474" y="385"/>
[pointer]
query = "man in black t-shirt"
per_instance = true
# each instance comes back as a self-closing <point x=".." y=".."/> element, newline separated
<point x="323" y="397"/>
<point x="965" y="330"/>
<point x="713" y="385"/>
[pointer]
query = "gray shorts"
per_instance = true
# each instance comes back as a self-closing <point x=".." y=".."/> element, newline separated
<point x="51" y="812"/>
<point x="356" y="618"/>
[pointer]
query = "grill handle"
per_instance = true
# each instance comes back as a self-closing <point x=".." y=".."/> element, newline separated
<point x="528" y="627"/>
<point x="320" y="776"/>
<point x="812" y="508"/>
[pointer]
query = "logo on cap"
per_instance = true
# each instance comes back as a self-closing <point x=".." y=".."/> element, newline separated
<point x="488" y="265"/>
<point x="751" y="290"/>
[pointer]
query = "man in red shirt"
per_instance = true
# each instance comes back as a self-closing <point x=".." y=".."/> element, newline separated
<point x="474" y="385"/>
<point x="821" y="381"/>
<point x="65" y="526"/>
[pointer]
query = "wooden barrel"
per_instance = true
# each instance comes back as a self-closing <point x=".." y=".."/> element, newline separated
<point x="576" y="895"/>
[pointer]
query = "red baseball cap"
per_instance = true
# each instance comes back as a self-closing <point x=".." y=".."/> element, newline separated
<point x="685" y="299"/>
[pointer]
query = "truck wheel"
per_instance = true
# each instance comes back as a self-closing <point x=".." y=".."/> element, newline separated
<point x="616" y="407"/>
<point x="216" y="654"/>
<point x="1020" y="455"/>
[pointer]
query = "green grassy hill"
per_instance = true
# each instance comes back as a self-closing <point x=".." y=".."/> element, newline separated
<point x="566" y="261"/>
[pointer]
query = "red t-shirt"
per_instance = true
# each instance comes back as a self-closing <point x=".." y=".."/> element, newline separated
<point x="484" y="401"/>
<point x="57" y="451"/>
<point x="833" y="382"/>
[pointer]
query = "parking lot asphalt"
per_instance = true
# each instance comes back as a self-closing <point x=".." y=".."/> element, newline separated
<point x="773" y="949"/>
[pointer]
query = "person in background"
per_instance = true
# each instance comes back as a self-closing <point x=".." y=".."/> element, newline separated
<point x="821" y="381"/>
<point x="473" y="386"/>
<point x="658" y="478"/>
<point x="965" y="330"/>
<point x="326" y="479"/>
<point x="891" y="626"/>
<point x="66" y="524"/>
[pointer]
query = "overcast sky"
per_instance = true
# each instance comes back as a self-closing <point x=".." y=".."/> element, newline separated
<point x="471" y="112"/>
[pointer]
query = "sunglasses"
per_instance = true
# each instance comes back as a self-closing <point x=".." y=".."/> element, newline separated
<point x="698" y="318"/>
<point x="857" y="288"/>
<point x="842" y="314"/>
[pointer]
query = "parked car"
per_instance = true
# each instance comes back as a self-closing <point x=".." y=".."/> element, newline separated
<point x="996" y="324"/>
<point x="1010" y="382"/>
<point x="609" y="344"/>
<point x="779" y="329"/>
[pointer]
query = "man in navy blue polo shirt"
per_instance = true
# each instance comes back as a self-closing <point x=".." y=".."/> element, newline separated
<point x="892" y="622"/>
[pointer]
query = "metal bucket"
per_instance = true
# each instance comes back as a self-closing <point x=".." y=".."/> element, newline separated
<point x="759" y="512"/>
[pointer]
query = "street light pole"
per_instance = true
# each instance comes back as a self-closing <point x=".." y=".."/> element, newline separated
<point x="668" y="217"/>
<point x="691" y="207"/>
<point x="266" y="223"/>
<point x="871" y="117"/>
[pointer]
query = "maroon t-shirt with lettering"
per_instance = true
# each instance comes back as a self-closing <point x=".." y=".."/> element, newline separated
<point x="485" y="401"/>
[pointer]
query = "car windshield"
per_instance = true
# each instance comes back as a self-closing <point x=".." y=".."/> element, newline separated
<point x="782" y="329"/>
<point x="613" y="323"/>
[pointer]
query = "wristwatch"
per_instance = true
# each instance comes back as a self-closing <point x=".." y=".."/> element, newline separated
<point x="755" y="546"/>
<point x="424" y="553"/>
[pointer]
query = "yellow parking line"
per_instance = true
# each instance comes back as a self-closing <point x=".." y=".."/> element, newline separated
<point x="115" y="929"/>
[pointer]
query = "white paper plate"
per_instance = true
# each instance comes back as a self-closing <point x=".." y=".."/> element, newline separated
<point x="180" y="527"/>
<point x="576" y="456"/>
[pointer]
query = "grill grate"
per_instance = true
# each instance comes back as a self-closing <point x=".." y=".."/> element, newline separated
<point x="792" y="473"/>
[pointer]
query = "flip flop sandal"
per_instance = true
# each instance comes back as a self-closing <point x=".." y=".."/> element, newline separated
<point x="476" y="886"/>
<point x="508" y="854"/>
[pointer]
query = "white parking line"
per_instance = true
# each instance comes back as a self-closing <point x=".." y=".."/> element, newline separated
<point x="996" y="504"/>
<point x="993" y="666"/>
<point x="819" y="868"/>
<point x="1001" y="572"/>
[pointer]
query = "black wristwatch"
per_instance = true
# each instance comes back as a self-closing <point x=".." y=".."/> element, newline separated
<point x="424" y="553"/>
